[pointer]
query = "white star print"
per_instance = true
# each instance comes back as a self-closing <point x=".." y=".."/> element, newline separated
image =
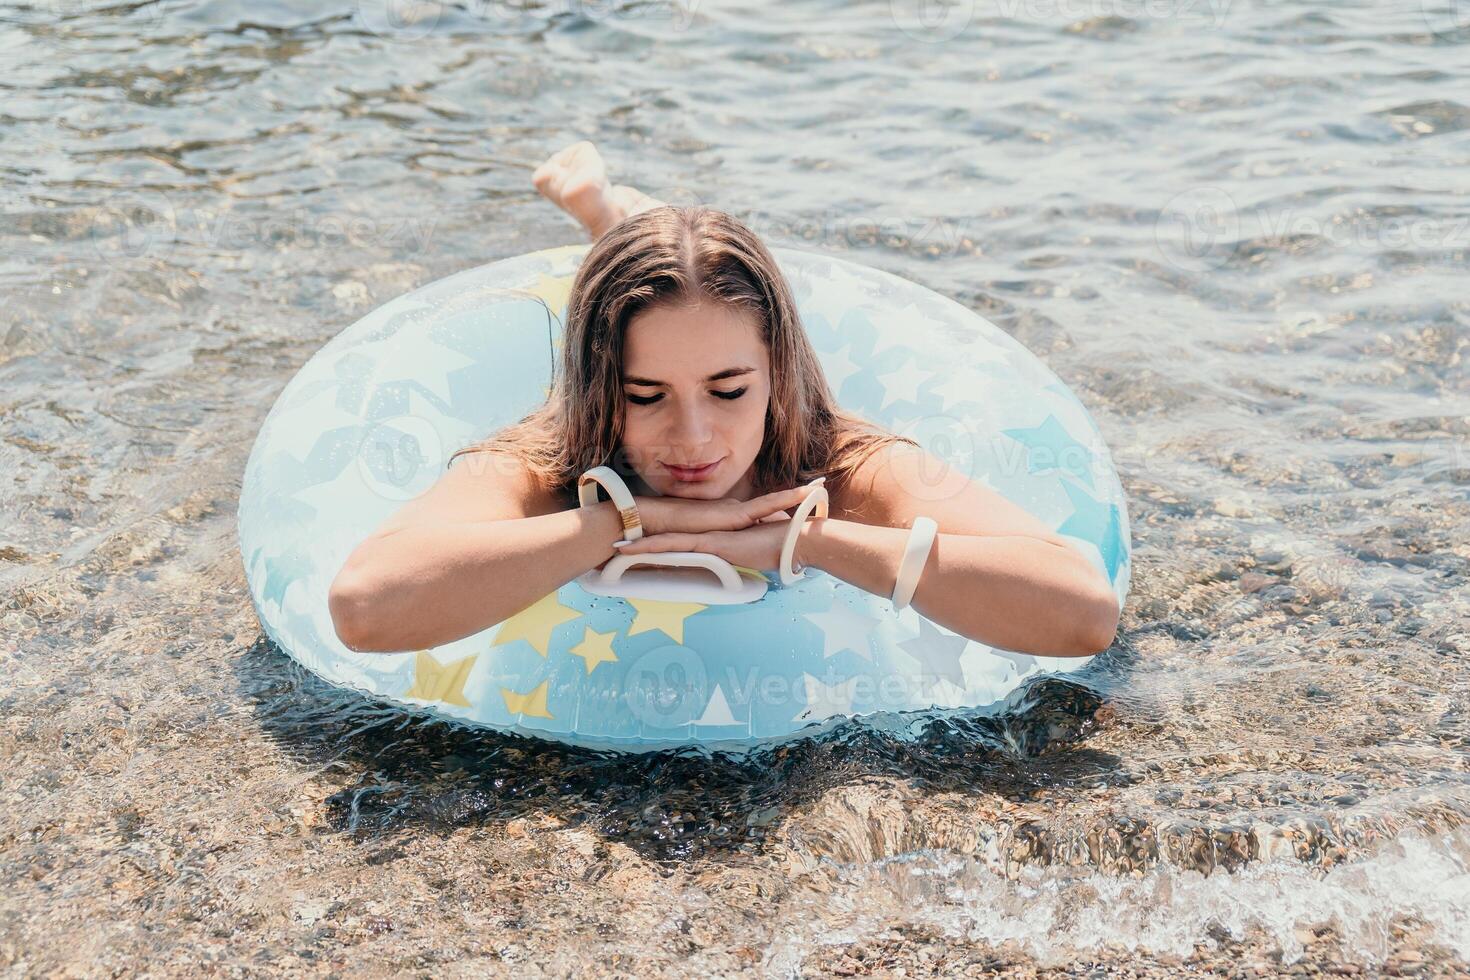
<point x="405" y="356"/>
<point x="344" y="495"/>
<point x="298" y="428"/>
<point x="938" y="653"/>
<point x="838" y="366"/>
<point x="844" y="628"/>
<point x="717" y="712"/>
<point x="964" y="385"/>
<point x="1024" y="662"/>
<point x="823" y="701"/>
<point x="903" y="384"/>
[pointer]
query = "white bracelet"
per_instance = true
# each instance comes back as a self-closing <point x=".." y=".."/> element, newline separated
<point x="618" y="491"/>
<point x="816" y="500"/>
<point x="915" y="556"/>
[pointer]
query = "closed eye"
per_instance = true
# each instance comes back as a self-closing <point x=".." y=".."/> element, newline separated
<point x="650" y="399"/>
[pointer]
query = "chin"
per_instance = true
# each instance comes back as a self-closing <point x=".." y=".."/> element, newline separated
<point x="694" y="491"/>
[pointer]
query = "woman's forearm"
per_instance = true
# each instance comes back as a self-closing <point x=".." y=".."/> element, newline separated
<point x="427" y="585"/>
<point x="1009" y="591"/>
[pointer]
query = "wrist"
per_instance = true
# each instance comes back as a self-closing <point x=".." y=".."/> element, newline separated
<point x="812" y="544"/>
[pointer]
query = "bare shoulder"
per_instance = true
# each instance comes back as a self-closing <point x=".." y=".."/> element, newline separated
<point x="901" y="482"/>
<point x="478" y="486"/>
<point x="875" y="492"/>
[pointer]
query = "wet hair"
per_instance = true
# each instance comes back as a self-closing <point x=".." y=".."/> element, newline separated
<point x="679" y="256"/>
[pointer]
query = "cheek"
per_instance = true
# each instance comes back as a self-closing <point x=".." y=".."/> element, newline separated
<point x="638" y="437"/>
<point x="752" y="423"/>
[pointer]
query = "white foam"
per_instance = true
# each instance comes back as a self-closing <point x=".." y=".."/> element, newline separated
<point x="1056" y="912"/>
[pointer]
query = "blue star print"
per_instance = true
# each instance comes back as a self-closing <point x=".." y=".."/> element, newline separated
<point x="1051" y="447"/>
<point x="1094" y="521"/>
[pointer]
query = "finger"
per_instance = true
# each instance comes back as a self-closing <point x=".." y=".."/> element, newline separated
<point x="664" y="541"/>
<point x="801" y="491"/>
<point x="782" y="499"/>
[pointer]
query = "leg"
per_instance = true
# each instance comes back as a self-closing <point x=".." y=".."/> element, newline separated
<point x="575" y="180"/>
<point x="632" y="201"/>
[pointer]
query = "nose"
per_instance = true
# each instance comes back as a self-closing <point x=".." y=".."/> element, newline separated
<point x="692" y="431"/>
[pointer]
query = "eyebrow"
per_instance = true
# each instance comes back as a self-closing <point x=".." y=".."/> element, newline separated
<point x="733" y="372"/>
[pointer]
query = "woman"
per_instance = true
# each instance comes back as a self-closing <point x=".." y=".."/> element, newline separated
<point x="685" y="367"/>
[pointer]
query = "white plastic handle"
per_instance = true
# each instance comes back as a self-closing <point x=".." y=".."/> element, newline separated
<point x="613" y="571"/>
<point x="816" y="500"/>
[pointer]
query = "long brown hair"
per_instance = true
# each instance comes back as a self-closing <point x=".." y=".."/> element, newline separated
<point x="677" y="255"/>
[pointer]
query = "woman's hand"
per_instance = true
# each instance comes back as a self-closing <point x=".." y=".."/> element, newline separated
<point x="757" y="546"/>
<point x="666" y="515"/>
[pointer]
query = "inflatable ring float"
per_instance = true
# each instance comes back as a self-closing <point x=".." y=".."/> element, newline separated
<point x="371" y="420"/>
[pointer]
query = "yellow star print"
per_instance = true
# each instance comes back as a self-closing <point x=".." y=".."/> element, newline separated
<point x="595" y="648"/>
<point x="535" y="623"/>
<point x="530" y="705"/>
<point x="554" y="290"/>
<point x="650" y="614"/>
<point x="433" y="681"/>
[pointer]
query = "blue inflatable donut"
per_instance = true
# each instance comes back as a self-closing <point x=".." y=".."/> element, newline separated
<point x="372" y="418"/>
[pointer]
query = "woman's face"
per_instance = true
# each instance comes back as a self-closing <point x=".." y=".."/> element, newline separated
<point x="696" y="384"/>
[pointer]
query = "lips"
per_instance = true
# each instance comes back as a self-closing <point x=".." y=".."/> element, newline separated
<point x="692" y="474"/>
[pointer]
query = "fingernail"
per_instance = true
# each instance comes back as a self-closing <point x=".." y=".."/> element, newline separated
<point x="619" y="544"/>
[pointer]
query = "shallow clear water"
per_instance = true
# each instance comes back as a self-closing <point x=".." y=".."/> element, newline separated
<point x="1238" y="230"/>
